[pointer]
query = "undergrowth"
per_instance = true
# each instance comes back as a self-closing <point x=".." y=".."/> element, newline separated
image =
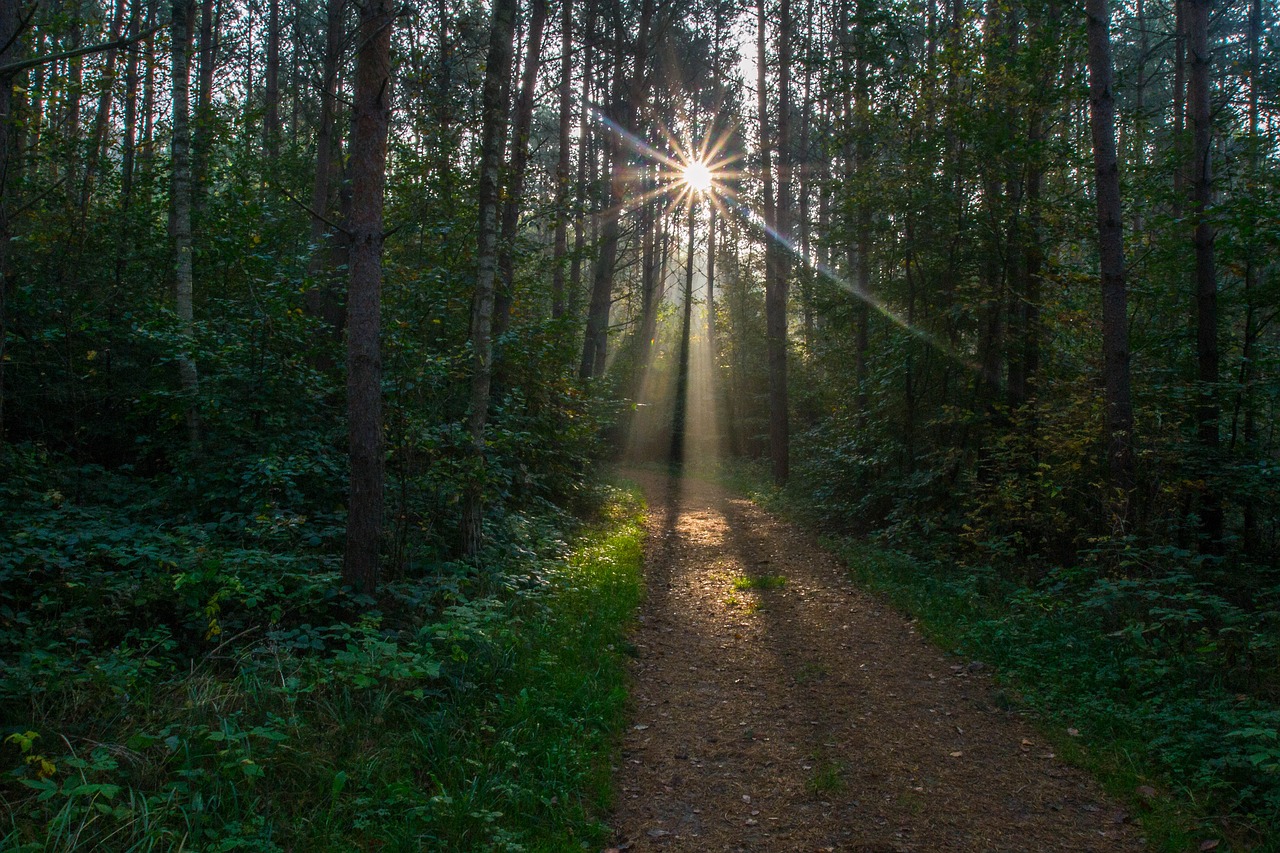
<point x="161" y="689"/>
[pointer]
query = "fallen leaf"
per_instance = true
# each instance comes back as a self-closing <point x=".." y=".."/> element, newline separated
<point x="1146" y="792"/>
<point x="1209" y="844"/>
<point x="957" y="754"/>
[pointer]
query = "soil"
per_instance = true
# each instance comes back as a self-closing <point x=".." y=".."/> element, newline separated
<point x="809" y="716"/>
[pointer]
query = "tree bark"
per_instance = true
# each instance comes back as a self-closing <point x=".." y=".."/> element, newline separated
<point x="207" y="62"/>
<point x="516" y="173"/>
<point x="371" y="114"/>
<point x="1115" y="329"/>
<point x="9" y="21"/>
<point x="271" y="119"/>
<point x="323" y="300"/>
<point x="776" y="281"/>
<point x="497" y="73"/>
<point x="627" y="97"/>
<point x="128" y="145"/>
<point x="561" y="241"/>
<point x="180" y="213"/>
<point x="102" y="116"/>
<point x="1207" y="413"/>
<point x="680" y="413"/>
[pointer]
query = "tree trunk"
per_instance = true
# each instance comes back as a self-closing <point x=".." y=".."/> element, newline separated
<point x="1115" y="328"/>
<point x="627" y="97"/>
<point x="128" y="145"/>
<point x="324" y="300"/>
<point x="9" y="21"/>
<point x="371" y="115"/>
<point x="204" y="101"/>
<point x="1206" y="278"/>
<point x="180" y="213"/>
<point x="680" y="413"/>
<point x="497" y="73"/>
<point x="585" y="153"/>
<point x="516" y="173"/>
<point x="776" y="283"/>
<point x="271" y="120"/>
<point x="561" y="240"/>
<point x="711" y="284"/>
<point x="102" y="117"/>
<point x="1179" y="103"/>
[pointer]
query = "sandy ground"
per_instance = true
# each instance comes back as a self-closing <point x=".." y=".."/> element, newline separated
<point x="812" y="717"/>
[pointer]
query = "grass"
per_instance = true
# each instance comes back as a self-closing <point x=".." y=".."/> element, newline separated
<point x="488" y="724"/>
<point x="827" y="778"/>
<point x="746" y="582"/>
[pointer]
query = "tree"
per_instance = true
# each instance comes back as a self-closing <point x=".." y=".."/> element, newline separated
<point x="497" y="72"/>
<point x="371" y="113"/>
<point x="180" y="199"/>
<point x="1115" y="328"/>
<point x="1207" y="358"/>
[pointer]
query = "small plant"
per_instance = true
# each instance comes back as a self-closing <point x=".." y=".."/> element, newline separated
<point x="827" y="778"/>
<point x="745" y="582"/>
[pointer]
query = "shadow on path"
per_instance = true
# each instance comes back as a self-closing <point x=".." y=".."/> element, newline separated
<point x="811" y="717"/>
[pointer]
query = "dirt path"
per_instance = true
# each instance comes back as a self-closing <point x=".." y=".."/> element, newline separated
<point x="809" y="717"/>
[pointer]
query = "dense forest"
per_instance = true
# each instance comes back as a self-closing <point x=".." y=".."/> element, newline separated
<point x="323" y="323"/>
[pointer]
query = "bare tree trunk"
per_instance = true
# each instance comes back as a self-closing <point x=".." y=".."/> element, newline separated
<point x="180" y="213"/>
<point x="561" y="241"/>
<point x="1206" y="279"/>
<point x="371" y="114"/>
<point x="1115" y="328"/>
<point x="584" y="154"/>
<point x="711" y="285"/>
<point x="777" y="283"/>
<point x="323" y="300"/>
<point x="680" y="413"/>
<point x="9" y="21"/>
<point x="147" y="147"/>
<point x="627" y="97"/>
<point x="271" y="120"/>
<point x="1179" y="102"/>
<point x="1249" y="372"/>
<point x="204" y="101"/>
<point x="128" y="145"/>
<point x="497" y="73"/>
<point x="516" y="173"/>
<point x="102" y="117"/>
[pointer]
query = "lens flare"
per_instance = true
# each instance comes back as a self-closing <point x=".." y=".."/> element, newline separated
<point x="698" y="176"/>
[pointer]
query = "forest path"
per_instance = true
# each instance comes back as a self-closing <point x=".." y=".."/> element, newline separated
<point x="811" y="717"/>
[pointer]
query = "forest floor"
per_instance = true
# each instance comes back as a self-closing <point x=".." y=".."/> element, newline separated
<point x="775" y="707"/>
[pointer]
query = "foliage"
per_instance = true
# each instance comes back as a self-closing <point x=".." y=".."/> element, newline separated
<point x="162" y="688"/>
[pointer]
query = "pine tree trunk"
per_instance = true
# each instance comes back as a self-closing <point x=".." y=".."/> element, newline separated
<point x="1207" y="412"/>
<point x="777" y="284"/>
<point x="519" y="157"/>
<point x="129" y="142"/>
<point x="102" y="116"/>
<point x="324" y="300"/>
<point x="9" y="21"/>
<point x="627" y="97"/>
<point x="561" y="241"/>
<point x="271" y="120"/>
<point x="180" y="213"/>
<point x="371" y="115"/>
<point x="497" y="73"/>
<point x="1115" y="328"/>
<point x="207" y="61"/>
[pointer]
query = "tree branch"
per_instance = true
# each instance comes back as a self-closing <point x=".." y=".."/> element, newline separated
<point x="14" y="67"/>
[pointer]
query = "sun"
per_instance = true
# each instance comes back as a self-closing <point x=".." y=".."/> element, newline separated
<point x="697" y="176"/>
